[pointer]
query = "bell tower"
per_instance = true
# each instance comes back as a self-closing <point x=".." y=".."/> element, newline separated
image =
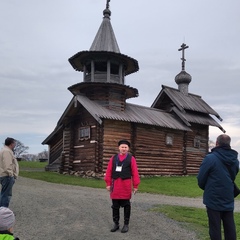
<point x="104" y="69"/>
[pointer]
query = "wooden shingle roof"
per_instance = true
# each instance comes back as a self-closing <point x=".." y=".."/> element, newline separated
<point x="104" y="46"/>
<point x="132" y="113"/>
<point x="105" y="39"/>
<point x="190" y="108"/>
<point x="190" y="102"/>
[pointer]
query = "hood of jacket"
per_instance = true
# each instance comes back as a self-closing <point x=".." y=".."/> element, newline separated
<point x="227" y="155"/>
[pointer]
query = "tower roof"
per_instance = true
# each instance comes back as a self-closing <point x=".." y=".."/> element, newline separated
<point x="105" y="39"/>
<point x="104" y="45"/>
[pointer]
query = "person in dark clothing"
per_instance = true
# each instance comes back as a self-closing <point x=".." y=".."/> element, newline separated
<point x="216" y="175"/>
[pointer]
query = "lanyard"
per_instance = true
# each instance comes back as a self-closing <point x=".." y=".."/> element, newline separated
<point x="118" y="160"/>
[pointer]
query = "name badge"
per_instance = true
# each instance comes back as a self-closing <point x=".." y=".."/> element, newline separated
<point x="118" y="168"/>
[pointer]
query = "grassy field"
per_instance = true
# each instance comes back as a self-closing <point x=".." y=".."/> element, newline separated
<point x="192" y="218"/>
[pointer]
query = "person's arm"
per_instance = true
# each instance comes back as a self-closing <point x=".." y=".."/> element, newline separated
<point x="108" y="175"/>
<point x="16" y="168"/>
<point x="8" y="163"/>
<point x="135" y="175"/>
<point x="203" y="172"/>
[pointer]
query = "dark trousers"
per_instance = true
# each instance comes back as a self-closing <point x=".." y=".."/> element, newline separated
<point x="215" y="218"/>
<point x="116" y="204"/>
<point x="6" y="192"/>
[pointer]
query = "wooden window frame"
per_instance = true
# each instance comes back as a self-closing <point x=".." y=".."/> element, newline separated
<point x="169" y="140"/>
<point x="197" y="142"/>
<point x="84" y="133"/>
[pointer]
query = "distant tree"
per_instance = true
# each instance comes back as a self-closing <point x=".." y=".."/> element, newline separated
<point x="20" y="149"/>
<point x="43" y="155"/>
<point x="35" y="157"/>
<point x="29" y="157"/>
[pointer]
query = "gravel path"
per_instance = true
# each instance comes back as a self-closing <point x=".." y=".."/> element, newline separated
<point x="74" y="213"/>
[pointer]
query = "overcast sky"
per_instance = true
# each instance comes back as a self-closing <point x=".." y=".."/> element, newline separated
<point x="38" y="37"/>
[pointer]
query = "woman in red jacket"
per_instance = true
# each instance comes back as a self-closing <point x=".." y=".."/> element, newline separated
<point x="121" y="178"/>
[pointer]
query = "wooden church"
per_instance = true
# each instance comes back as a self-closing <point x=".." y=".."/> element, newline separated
<point x="169" y="138"/>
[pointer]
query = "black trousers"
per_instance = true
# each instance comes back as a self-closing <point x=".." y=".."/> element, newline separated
<point x="215" y="219"/>
<point x="116" y="204"/>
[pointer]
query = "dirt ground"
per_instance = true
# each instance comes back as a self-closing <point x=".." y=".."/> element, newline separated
<point x="73" y="213"/>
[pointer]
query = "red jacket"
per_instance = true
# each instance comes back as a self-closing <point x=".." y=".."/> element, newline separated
<point x="122" y="189"/>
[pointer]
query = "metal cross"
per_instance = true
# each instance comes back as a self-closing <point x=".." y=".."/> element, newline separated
<point x="107" y="6"/>
<point x="183" y="47"/>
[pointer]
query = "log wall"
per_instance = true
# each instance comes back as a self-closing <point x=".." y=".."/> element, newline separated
<point x="148" y="145"/>
<point x="195" y="155"/>
<point x="113" y="132"/>
<point x="66" y="153"/>
<point x="153" y="156"/>
<point x="55" y="148"/>
<point x="84" y="151"/>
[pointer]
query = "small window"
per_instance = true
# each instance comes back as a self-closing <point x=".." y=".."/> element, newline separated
<point x="197" y="142"/>
<point x="114" y="69"/>
<point x="88" y="68"/>
<point x="100" y="67"/>
<point x="169" y="140"/>
<point x="84" y="133"/>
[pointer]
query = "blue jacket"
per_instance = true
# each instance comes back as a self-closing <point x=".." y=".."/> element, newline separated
<point x="214" y="178"/>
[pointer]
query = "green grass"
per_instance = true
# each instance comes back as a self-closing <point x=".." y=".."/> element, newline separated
<point x="194" y="219"/>
<point x="30" y="164"/>
<point x="173" y="186"/>
<point x="191" y="218"/>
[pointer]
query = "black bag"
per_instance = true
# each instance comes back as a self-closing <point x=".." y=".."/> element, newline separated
<point x="236" y="190"/>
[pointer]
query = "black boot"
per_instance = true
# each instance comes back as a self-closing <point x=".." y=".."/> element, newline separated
<point x="115" y="227"/>
<point x="127" y="212"/>
<point x="125" y="228"/>
<point x="115" y="213"/>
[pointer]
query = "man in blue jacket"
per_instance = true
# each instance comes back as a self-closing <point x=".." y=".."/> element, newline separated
<point x="216" y="175"/>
